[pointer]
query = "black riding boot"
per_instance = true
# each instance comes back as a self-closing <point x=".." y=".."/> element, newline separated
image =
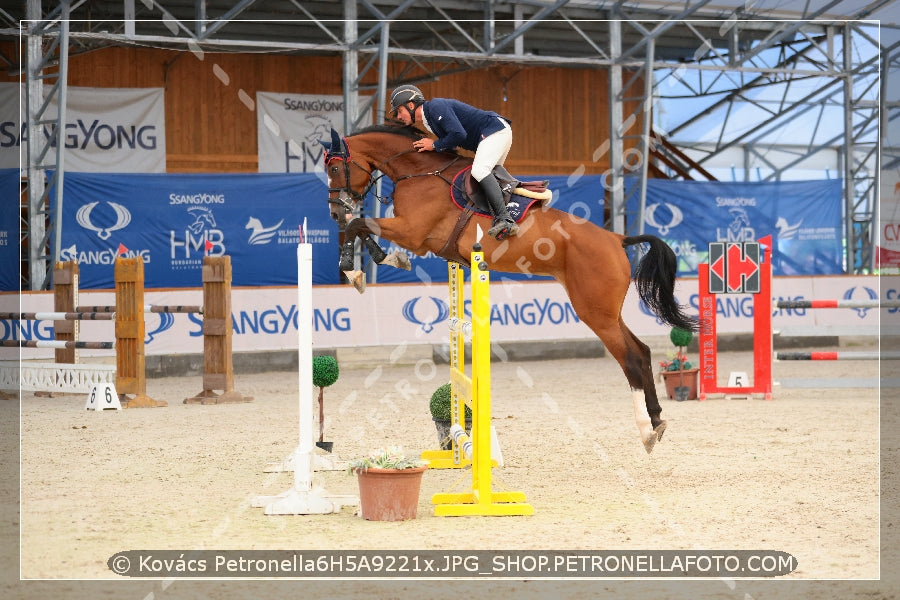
<point x="503" y="225"/>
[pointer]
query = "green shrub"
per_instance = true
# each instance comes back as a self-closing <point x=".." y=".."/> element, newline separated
<point x="440" y="404"/>
<point x="325" y="371"/>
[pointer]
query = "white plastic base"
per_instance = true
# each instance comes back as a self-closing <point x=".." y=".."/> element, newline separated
<point x="320" y="462"/>
<point x="297" y="502"/>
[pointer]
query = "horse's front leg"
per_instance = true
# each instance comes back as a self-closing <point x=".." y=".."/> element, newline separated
<point x="358" y="229"/>
<point x="363" y="228"/>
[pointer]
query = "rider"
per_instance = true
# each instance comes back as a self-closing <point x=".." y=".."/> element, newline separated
<point x="457" y="124"/>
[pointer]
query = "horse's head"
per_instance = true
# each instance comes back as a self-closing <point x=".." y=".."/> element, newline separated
<point x="349" y="178"/>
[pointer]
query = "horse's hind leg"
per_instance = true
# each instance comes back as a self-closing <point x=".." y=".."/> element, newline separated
<point x="651" y="400"/>
<point x="633" y="357"/>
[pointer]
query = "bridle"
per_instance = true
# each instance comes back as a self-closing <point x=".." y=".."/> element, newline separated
<point x="347" y="197"/>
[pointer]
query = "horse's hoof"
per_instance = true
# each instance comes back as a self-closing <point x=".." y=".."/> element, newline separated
<point x="357" y="279"/>
<point x="649" y="443"/>
<point x="660" y="430"/>
<point x="397" y="259"/>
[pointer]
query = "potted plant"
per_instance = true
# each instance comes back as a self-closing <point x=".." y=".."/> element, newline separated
<point x="440" y="414"/>
<point x="325" y="372"/>
<point x="678" y="374"/>
<point x="389" y="484"/>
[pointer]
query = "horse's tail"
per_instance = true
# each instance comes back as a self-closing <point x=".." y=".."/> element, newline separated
<point x="654" y="279"/>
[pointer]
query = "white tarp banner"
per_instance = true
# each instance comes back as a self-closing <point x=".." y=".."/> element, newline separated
<point x="108" y="130"/>
<point x="396" y="314"/>
<point x="10" y="124"/>
<point x="289" y="127"/>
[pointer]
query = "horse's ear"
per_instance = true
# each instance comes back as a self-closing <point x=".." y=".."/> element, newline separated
<point x="337" y="144"/>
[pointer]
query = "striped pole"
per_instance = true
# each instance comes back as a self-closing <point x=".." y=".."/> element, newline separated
<point x="838" y="303"/>
<point x="837" y="355"/>
<point x="58" y="344"/>
<point x="60" y="316"/>
<point x="148" y="308"/>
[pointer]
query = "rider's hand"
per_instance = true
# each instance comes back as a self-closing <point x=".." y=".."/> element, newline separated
<point x="424" y="145"/>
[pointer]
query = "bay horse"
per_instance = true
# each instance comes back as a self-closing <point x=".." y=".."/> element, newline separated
<point x="590" y="262"/>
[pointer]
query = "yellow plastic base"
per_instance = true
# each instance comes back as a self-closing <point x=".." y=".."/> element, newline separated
<point x="467" y="504"/>
<point x="443" y="459"/>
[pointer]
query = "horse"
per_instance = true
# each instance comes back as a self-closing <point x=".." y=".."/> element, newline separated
<point x="590" y="262"/>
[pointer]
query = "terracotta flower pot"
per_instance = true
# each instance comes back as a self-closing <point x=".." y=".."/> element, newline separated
<point x="389" y="494"/>
<point x="687" y="378"/>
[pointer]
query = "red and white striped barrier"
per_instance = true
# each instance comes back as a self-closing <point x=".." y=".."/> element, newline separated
<point x="838" y="304"/>
<point x="837" y="355"/>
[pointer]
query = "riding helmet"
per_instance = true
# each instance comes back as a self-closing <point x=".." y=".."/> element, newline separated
<point x="406" y="93"/>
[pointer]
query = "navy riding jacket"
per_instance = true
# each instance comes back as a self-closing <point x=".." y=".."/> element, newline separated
<point x="456" y="123"/>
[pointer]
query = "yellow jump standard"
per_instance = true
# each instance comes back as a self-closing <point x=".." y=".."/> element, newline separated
<point x="475" y="391"/>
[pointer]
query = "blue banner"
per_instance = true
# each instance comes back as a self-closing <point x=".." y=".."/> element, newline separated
<point x="174" y="220"/>
<point x="582" y="196"/>
<point x="803" y="218"/>
<point x="9" y="230"/>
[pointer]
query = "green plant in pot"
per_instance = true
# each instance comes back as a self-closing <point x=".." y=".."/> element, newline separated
<point x="389" y="484"/>
<point x="683" y="385"/>
<point x="325" y="373"/>
<point x="440" y="414"/>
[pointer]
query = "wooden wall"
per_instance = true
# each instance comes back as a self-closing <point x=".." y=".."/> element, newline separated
<point x="560" y="116"/>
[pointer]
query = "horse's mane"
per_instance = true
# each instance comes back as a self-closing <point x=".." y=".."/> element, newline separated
<point x="408" y="131"/>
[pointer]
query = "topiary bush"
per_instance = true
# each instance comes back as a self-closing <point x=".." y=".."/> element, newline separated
<point x="440" y="404"/>
<point x="325" y="371"/>
<point x="680" y="337"/>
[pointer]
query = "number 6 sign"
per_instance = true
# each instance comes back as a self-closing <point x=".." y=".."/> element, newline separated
<point x="103" y="396"/>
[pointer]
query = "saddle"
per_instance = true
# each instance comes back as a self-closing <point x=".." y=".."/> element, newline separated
<point x="466" y="192"/>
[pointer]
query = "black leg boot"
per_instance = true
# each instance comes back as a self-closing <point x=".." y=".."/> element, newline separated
<point x="503" y="225"/>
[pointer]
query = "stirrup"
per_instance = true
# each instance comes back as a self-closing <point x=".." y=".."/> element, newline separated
<point x="503" y="228"/>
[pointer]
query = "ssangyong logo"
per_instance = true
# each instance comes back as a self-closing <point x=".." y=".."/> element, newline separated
<point x="674" y="221"/>
<point x="866" y="294"/>
<point x="417" y="315"/>
<point x="84" y="218"/>
<point x="166" y="321"/>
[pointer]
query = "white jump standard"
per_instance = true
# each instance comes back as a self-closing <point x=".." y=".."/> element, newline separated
<point x="304" y="498"/>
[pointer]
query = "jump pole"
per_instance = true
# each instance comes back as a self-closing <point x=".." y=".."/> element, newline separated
<point x="878" y="303"/>
<point x="481" y="500"/>
<point x="218" y="363"/>
<point x="303" y="498"/>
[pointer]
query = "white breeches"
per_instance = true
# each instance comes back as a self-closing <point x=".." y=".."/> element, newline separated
<point x="491" y="152"/>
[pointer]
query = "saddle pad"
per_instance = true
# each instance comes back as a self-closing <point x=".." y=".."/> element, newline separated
<point x="517" y="205"/>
